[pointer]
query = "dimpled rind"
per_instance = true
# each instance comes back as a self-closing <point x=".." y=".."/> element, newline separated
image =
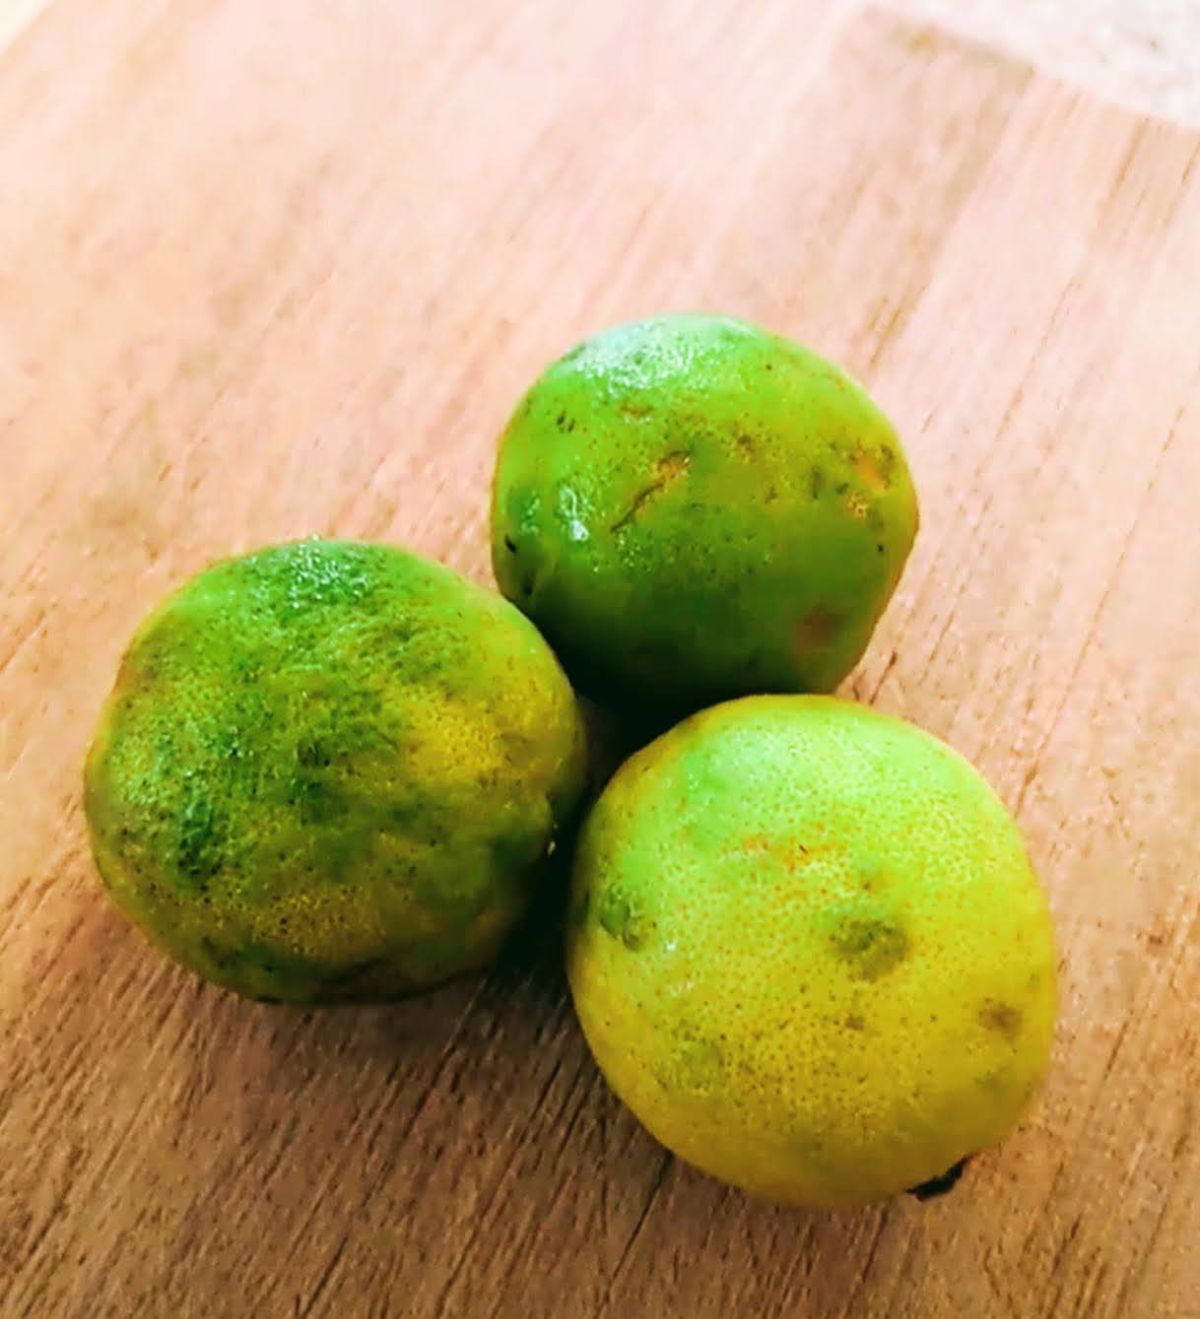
<point x="330" y="770"/>
<point x="808" y="951"/>
<point x="691" y="508"/>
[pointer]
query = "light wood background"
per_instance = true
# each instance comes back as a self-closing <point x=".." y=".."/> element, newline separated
<point x="278" y="268"/>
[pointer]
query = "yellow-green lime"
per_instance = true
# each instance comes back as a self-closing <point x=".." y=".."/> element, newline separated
<point x="808" y="950"/>
<point x="330" y="770"/>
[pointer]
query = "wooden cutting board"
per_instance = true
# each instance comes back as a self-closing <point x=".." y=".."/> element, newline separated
<point x="280" y="268"/>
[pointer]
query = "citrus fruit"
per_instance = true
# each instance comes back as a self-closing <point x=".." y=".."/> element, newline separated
<point x="691" y="508"/>
<point x="808" y="951"/>
<point x="330" y="770"/>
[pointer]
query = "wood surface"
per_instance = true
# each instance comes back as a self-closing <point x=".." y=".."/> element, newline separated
<point x="278" y="268"/>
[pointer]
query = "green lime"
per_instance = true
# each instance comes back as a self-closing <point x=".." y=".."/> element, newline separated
<point x="691" y="508"/>
<point x="331" y="770"/>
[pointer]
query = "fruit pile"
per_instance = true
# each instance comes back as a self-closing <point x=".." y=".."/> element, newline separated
<point x="804" y="939"/>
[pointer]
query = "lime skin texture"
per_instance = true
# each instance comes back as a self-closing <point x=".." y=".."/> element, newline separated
<point x="808" y="950"/>
<point x="331" y="771"/>
<point x="691" y="508"/>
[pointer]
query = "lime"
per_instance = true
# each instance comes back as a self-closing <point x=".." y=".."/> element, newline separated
<point x="691" y="508"/>
<point x="331" y="770"/>
<point x="807" y="949"/>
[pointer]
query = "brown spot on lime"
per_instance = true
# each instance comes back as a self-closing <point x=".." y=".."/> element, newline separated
<point x="870" y="946"/>
<point x="854" y="1022"/>
<point x="746" y="446"/>
<point x="635" y="408"/>
<point x="1003" y="1018"/>
<point x="669" y="468"/>
<point x="875" y="469"/>
<point x="858" y="507"/>
<point x="793" y="853"/>
<point x="815" y="630"/>
<point x="816" y="482"/>
<point x="510" y="545"/>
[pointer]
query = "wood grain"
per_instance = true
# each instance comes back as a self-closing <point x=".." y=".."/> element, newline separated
<point x="282" y="268"/>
